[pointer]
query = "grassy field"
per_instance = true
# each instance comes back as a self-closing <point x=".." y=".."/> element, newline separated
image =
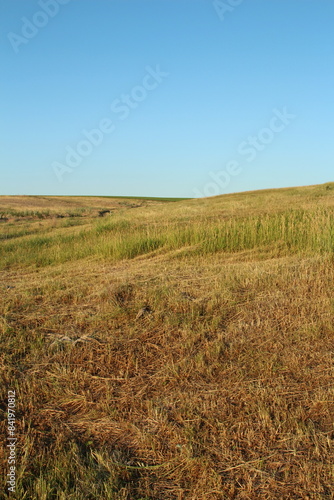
<point x="179" y="350"/>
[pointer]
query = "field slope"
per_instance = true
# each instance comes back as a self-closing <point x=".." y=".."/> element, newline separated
<point x="169" y="350"/>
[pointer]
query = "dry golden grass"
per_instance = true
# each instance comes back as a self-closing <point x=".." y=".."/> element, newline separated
<point x="60" y="204"/>
<point x="221" y="388"/>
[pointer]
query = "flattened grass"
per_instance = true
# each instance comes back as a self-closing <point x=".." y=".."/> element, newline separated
<point x="122" y="238"/>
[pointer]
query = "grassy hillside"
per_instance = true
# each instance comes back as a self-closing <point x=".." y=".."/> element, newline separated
<point x="42" y="207"/>
<point x="170" y="351"/>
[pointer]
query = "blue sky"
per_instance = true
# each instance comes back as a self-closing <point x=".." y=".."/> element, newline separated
<point x="165" y="97"/>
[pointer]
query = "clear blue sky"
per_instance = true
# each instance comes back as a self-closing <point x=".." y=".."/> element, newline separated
<point x="191" y="99"/>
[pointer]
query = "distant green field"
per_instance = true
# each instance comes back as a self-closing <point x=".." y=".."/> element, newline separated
<point x="151" y="198"/>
